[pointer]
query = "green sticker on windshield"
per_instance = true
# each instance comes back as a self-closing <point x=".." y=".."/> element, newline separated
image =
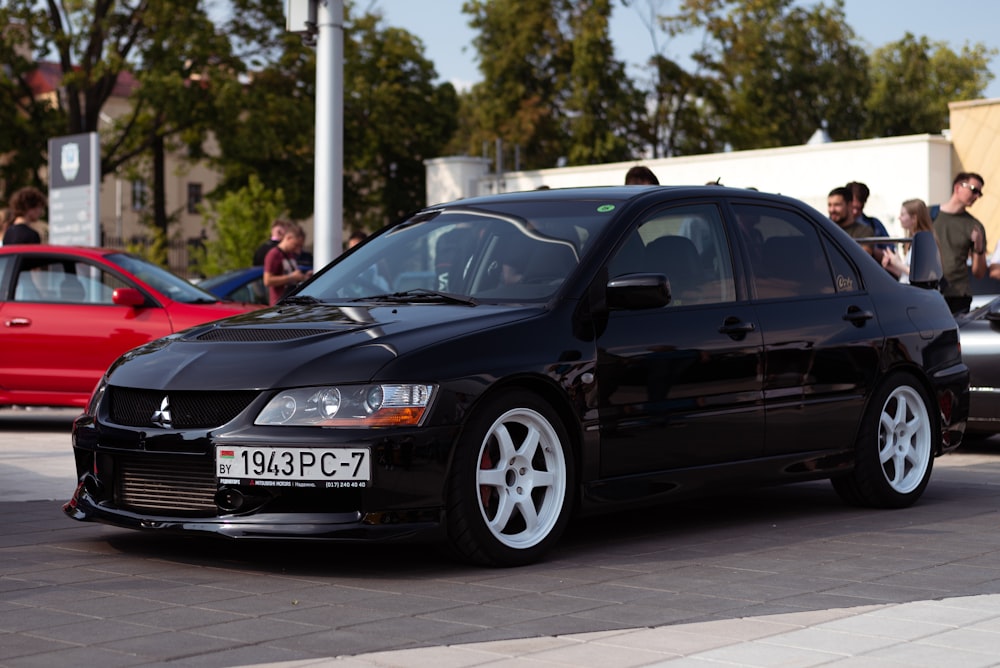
<point x="604" y="208"/>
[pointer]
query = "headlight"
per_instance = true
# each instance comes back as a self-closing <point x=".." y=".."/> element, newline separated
<point x="348" y="406"/>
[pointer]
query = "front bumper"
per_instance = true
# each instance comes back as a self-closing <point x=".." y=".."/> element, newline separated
<point x="343" y="526"/>
<point x="167" y="482"/>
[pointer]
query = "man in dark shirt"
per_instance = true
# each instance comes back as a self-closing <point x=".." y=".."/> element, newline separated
<point x="961" y="236"/>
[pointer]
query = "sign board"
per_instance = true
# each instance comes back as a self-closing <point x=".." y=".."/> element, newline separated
<point x="74" y="190"/>
<point x="299" y="14"/>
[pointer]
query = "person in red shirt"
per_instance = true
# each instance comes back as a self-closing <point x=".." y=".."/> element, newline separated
<point x="281" y="270"/>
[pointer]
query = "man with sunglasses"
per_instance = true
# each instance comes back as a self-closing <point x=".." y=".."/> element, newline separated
<point x="961" y="236"/>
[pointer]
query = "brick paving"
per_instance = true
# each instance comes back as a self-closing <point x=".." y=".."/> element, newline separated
<point x="779" y="577"/>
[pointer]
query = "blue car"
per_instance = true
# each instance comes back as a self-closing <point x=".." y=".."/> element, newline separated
<point x="238" y="285"/>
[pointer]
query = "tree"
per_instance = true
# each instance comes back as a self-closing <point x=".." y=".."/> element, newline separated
<point x="525" y="58"/>
<point x="163" y="54"/>
<point x="783" y="70"/>
<point x="26" y="120"/>
<point x="914" y="79"/>
<point x="681" y="105"/>
<point x="395" y="118"/>
<point x="241" y="219"/>
<point x="604" y="107"/>
<point x="265" y="127"/>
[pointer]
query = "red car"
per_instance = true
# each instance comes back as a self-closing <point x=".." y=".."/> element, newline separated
<point x="69" y="312"/>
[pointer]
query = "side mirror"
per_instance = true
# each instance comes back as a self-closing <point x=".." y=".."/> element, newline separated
<point x="128" y="297"/>
<point x="925" y="262"/>
<point x="638" y="291"/>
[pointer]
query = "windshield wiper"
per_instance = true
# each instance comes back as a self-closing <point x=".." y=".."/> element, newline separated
<point x="418" y="295"/>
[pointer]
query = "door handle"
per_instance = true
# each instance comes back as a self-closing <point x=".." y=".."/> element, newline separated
<point x="736" y="328"/>
<point x="858" y="316"/>
<point x="18" y="322"/>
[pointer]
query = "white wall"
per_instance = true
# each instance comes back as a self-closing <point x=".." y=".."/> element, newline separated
<point x="895" y="169"/>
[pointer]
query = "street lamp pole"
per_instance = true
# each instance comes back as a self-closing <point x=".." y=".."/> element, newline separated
<point x="329" y="183"/>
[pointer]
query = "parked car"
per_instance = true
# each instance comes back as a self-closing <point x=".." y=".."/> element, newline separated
<point x="68" y="313"/>
<point x="486" y="369"/>
<point x="980" y="336"/>
<point x="984" y="290"/>
<point x="238" y="285"/>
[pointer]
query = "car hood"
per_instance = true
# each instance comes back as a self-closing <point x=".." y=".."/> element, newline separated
<point x="298" y="345"/>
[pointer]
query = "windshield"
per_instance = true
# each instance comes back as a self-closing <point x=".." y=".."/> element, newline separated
<point x="522" y="252"/>
<point x="167" y="284"/>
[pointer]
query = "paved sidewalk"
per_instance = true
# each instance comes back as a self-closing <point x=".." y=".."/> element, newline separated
<point x="780" y="577"/>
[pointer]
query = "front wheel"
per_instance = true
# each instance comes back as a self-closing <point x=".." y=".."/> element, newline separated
<point x="895" y="448"/>
<point x="509" y="493"/>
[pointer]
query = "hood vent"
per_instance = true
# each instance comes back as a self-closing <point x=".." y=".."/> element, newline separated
<point x="257" y="334"/>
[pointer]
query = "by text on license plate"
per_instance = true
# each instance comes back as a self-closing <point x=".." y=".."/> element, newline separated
<point x="327" y="467"/>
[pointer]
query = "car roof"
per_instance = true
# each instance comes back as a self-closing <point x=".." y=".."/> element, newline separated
<point x="618" y="192"/>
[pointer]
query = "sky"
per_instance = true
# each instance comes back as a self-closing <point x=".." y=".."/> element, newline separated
<point x="447" y="38"/>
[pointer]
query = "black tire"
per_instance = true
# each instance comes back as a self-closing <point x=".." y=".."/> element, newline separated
<point x="895" y="447"/>
<point x="510" y="489"/>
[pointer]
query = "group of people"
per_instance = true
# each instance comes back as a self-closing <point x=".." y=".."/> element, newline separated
<point x="959" y="235"/>
<point x="961" y="238"/>
<point x="26" y="207"/>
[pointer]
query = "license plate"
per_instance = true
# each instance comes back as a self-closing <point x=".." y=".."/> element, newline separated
<point x="330" y="467"/>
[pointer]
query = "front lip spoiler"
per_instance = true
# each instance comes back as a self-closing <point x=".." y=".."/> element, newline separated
<point x="341" y="527"/>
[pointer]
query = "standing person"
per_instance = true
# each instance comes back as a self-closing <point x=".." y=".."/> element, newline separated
<point x="838" y="208"/>
<point x="961" y="236"/>
<point x="26" y="207"/>
<point x="281" y="270"/>
<point x="860" y="194"/>
<point x="913" y="217"/>
<point x="640" y="175"/>
<point x="277" y="234"/>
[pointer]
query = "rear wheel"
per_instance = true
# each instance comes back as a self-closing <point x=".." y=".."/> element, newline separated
<point x="509" y="491"/>
<point x="895" y="448"/>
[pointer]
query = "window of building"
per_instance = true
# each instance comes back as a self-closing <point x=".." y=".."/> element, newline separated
<point x="194" y="197"/>
<point x="139" y="195"/>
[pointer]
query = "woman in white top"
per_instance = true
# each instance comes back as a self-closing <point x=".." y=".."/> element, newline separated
<point x="914" y="217"/>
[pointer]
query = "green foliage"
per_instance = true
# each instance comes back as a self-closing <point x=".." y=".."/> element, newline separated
<point x="241" y="220"/>
<point x="26" y="120"/>
<point x="783" y="70"/>
<point x="525" y="57"/>
<point x="157" y="250"/>
<point x="395" y="118"/>
<point x="604" y="107"/>
<point x="914" y="79"/>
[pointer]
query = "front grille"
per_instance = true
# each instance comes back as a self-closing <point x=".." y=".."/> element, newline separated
<point x="187" y="410"/>
<point x="257" y="334"/>
<point x="167" y="486"/>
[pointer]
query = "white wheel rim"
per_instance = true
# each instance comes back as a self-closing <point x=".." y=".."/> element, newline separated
<point x="904" y="439"/>
<point x="521" y="478"/>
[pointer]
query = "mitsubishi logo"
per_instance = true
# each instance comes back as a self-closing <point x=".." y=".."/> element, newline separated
<point x="161" y="418"/>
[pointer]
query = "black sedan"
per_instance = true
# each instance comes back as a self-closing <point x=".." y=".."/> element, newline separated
<point x="486" y="369"/>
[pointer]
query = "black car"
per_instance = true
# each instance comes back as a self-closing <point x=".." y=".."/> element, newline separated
<point x="485" y="369"/>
